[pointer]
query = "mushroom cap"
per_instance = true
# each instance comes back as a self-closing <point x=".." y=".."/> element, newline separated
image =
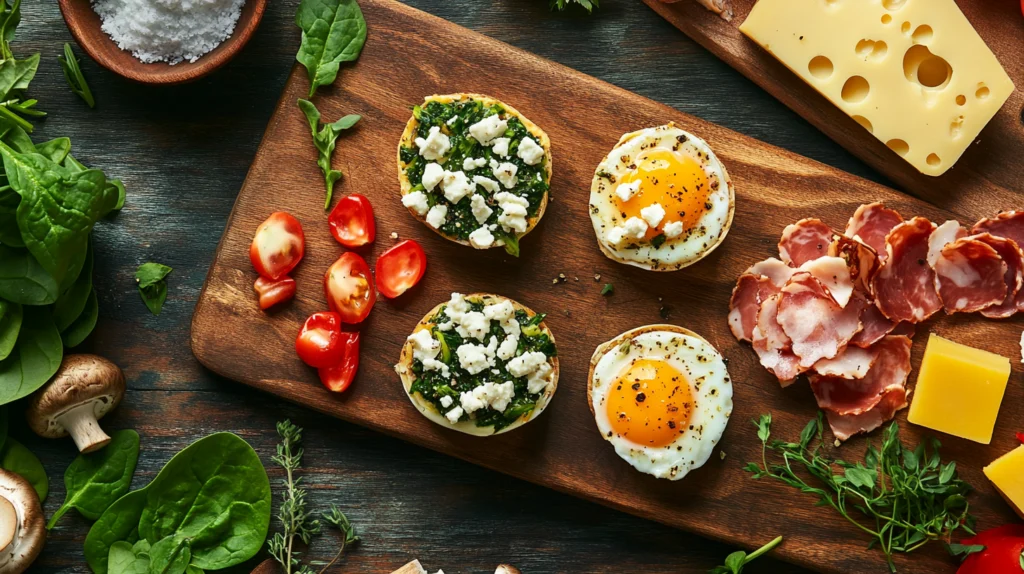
<point x="30" y="528"/>
<point x="506" y="569"/>
<point x="81" y="379"/>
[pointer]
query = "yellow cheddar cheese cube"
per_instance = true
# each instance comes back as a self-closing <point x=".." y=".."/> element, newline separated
<point x="1007" y="475"/>
<point x="914" y="73"/>
<point x="959" y="390"/>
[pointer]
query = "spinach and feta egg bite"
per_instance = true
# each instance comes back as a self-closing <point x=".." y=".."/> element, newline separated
<point x="661" y="200"/>
<point x="662" y="396"/>
<point x="474" y="170"/>
<point x="480" y="364"/>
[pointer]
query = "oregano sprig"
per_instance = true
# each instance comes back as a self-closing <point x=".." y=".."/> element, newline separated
<point x="325" y="136"/>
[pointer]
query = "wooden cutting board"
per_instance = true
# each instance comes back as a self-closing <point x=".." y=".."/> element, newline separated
<point x="411" y="54"/>
<point x="989" y="171"/>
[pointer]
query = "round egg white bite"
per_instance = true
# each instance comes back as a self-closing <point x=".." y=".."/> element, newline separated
<point x="661" y="200"/>
<point x="662" y="396"/>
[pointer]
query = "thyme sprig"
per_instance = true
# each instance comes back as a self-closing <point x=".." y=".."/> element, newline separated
<point x="294" y="516"/>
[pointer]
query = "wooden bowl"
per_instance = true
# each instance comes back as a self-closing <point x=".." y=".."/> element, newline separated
<point x="84" y="24"/>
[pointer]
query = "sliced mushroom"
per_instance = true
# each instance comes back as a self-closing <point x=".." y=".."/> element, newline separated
<point x="85" y="388"/>
<point x="22" y="529"/>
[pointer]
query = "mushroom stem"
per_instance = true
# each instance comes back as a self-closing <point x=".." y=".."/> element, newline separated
<point x="81" y="424"/>
<point x="8" y="523"/>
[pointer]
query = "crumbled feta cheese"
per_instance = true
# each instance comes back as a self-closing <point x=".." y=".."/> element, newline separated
<point x="452" y="120"/>
<point x="437" y="216"/>
<point x="513" y="211"/>
<point x="626" y="191"/>
<point x="653" y="214"/>
<point x="485" y="130"/>
<point x="432" y="175"/>
<point x="507" y="348"/>
<point x="538" y="382"/>
<point x="456" y="186"/>
<point x="506" y="174"/>
<point x="453" y="417"/>
<point x="530" y="152"/>
<point x="494" y="395"/>
<point x="481" y="211"/>
<point x="500" y="146"/>
<point x="526" y="363"/>
<point x="473" y="324"/>
<point x="471" y="164"/>
<point x="435" y="365"/>
<point x="417" y="202"/>
<point x="482" y="238"/>
<point x="635" y="228"/>
<point x="476" y="358"/>
<point x="457" y="307"/>
<point x="446" y="401"/>
<point x="616" y="235"/>
<point x="673" y="229"/>
<point x="424" y="346"/>
<point x="435" y="145"/>
<point x="486" y="183"/>
<point x="470" y="402"/>
<point x="500" y="311"/>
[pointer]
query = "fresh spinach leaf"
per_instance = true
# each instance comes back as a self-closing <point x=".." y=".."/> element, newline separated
<point x="152" y="281"/>
<point x="56" y="150"/>
<point x="18" y="459"/>
<point x="3" y="425"/>
<point x="119" y="187"/>
<point x="10" y="17"/>
<point x="95" y="481"/>
<point x="36" y="356"/>
<point x="73" y="74"/>
<point x="23" y="280"/>
<point x="84" y="324"/>
<point x="124" y="559"/>
<point x="71" y="303"/>
<point x="324" y="139"/>
<point x="333" y="31"/>
<point x="170" y="556"/>
<point x="118" y="523"/>
<point x="10" y="234"/>
<point x="10" y="325"/>
<point x="560" y="5"/>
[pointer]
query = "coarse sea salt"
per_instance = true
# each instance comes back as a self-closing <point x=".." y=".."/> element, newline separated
<point x="168" y="30"/>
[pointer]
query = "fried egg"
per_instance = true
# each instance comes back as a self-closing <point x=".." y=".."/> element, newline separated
<point x="661" y="200"/>
<point x="662" y="396"/>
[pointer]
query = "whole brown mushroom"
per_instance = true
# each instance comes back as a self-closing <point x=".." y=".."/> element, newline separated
<point x="85" y="388"/>
<point x="22" y="528"/>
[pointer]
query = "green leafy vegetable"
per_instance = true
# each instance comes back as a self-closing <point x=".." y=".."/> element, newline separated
<point x="70" y="305"/>
<point x="18" y="459"/>
<point x="587" y="5"/>
<point x="608" y="289"/>
<point x="339" y="521"/>
<point x="95" y="481"/>
<point x="152" y="281"/>
<point x="77" y="332"/>
<point x="902" y="498"/>
<point x="333" y="31"/>
<point x="126" y="558"/>
<point x="15" y="75"/>
<point x="962" y="551"/>
<point x="10" y="325"/>
<point x="23" y="280"/>
<point x="325" y="136"/>
<point x="735" y="562"/>
<point x="35" y="358"/>
<point x="74" y="77"/>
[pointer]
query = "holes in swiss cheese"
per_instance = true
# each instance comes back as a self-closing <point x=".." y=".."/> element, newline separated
<point x="820" y="67"/>
<point x="893" y="5"/>
<point x="922" y="67"/>
<point x="886" y="19"/>
<point x="899" y="146"/>
<point x="855" y="89"/>
<point x="922" y="34"/>
<point x="866" y="123"/>
<point x="955" y="127"/>
<point x="905" y="28"/>
<point x="982" y="92"/>
<point x="933" y="160"/>
<point x="871" y="49"/>
<point x="961" y="100"/>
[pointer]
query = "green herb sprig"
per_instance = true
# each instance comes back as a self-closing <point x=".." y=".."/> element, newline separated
<point x="735" y="562"/>
<point x="75" y="78"/>
<point x="587" y="5"/>
<point x="325" y="136"/>
<point x="901" y="498"/>
<point x="152" y="282"/>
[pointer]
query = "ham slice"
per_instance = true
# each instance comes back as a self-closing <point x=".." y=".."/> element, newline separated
<point x="804" y="241"/>
<point x="874" y="326"/>
<point x="1014" y="278"/>
<point x="817" y="325"/>
<point x="1009" y="225"/>
<point x="871" y="223"/>
<point x="888" y="365"/>
<point x="746" y="299"/>
<point x="773" y="346"/>
<point x="905" y="286"/>
<point x="969" y="276"/>
<point x="861" y="260"/>
<point x="851" y="363"/>
<point x="943" y="235"/>
<point x="846" y="426"/>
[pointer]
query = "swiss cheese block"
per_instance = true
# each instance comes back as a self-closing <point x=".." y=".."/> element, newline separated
<point x="914" y="73"/>
<point x="1007" y="475"/>
<point x="959" y="390"/>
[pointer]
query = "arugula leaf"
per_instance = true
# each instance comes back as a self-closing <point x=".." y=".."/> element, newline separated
<point x="325" y="138"/>
<point x="18" y="459"/>
<point x="152" y="282"/>
<point x="333" y="31"/>
<point x="73" y="74"/>
<point x="587" y="5"/>
<point x="95" y="481"/>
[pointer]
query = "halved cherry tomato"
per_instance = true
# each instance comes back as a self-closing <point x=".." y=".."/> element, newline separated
<point x="320" y="342"/>
<point x="339" y="376"/>
<point x="351" y="221"/>
<point x="1002" y="554"/>
<point x="348" y="288"/>
<point x="400" y="267"/>
<point x="278" y="245"/>
<point x="1020" y="437"/>
<point x="273" y="292"/>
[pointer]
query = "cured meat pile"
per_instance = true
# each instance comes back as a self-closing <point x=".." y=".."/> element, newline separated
<point x="841" y="308"/>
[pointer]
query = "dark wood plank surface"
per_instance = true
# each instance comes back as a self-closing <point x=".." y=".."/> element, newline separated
<point x="411" y="54"/>
<point x="184" y="152"/>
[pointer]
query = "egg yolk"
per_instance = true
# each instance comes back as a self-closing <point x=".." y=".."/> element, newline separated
<point x="675" y="180"/>
<point x="650" y="404"/>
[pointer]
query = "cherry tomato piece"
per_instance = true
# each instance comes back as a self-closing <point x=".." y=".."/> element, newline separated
<point x="1002" y="554"/>
<point x="273" y="292"/>
<point x="400" y="268"/>
<point x="339" y="376"/>
<point x="1020" y="437"/>
<point x="320" y="342"/>
<point x="349" y="288"/>
<point x="278" y="245"/>
<point x="351" y="221"/>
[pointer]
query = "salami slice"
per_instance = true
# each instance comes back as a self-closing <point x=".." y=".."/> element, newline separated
<point x="846" y="426"/>
<point x="817" y="325"/>
<point x="871" y="223"/>
<point x="889" y="365"/>
<point x="746" y="299"/>
<point x="772" y="345"/>
<point x="804" y="241"/>
<point x="943" y="235"/>
<point x="969" y="276"/>
<point x="873" y="326"/>
<point x="1009" y="225"/>
<point x="861" y="260"/>
<point x="904" y="288"/>
<point x="1014" y="260"/>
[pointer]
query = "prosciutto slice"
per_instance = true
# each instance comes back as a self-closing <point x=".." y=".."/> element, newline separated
<point x="943" y="235"/>
<point x="746" y="299"/>
<point x="874" y="326"/>
<point x="773" y="346"/>
<point x="804" y="241"/>
<point x="1009" y="225"/>
<point x="851" y="363"/>
<point x="861" y="260"/>
<point x="888" y="364"/>
<point x="905" y="286"/>
<point x="871" y="223"/>
<point x="1014" y="260"/>
<point x="773" y="269"/>
<point x="969" y="276"/>
<point x="817" y="325"/>
<point x="834" y="274"/>
<point x="846" y="426"/>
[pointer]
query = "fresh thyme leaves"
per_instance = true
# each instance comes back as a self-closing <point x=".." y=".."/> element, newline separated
<point x="608" y="289"/>
<point x="902" y="498"/>
<point x="325" y="136"/>
<point x="962" y="551"/>
<point x="735" y="562"/>
<point x="587" y="5"/>
<point x="338" y="520"/>
<point x="73" y="74"/>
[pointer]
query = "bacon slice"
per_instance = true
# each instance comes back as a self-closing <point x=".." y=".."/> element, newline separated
<point x="817" y="325"/>
<point x="1009" y="225"/>
<point x="746" y="299"/>
<point x="888" y="364"/>
<point x="846" y="426"/>
<point x="969" y="276"/>
<point x="905" y="286"/>
<point x="874" y="326"/>
<point x="804" y="241"/>
<point x="871" y="223"/>
<point x="773" y="346"/>
<point x="943" y="235"/>
<point x="861" y="260"/>
<point x="851" y="363"/>
<point x="1014" y="278"/>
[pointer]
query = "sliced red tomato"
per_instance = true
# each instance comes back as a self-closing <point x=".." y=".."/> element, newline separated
<point x="349" y="288"/>
<point x="273" y="292"/>
<point x="400" y="267"/>
<point x="1002" y="554"/>
<point x="338" y="377"/>
<point x="320" y="342"/>
<point x="1020" y="437"/>
<point x="278" y="245"/>
<point x="351" y="221"/>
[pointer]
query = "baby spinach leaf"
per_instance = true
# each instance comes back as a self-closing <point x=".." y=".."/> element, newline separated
<point x="18" y="459"/>
<point x="10" y="325"/>
<point x="35" y="358"/>
<point x="10" y="234"/>
<point x="170" y="556"/>
<point x="119" y="188"/>
<point x="3" y="425"/>
<point x="152" y="282"/>
<point x="10" y="17"/>
<point x="120" y="522"/>
<point x="23" y="280"/>
<point x="123" y="559"/>
<point x="56" y="150"/>
<point x="71" y="303"/>
<point x="84" y="324"/>
<point x="73" y="74"/>
<point x="95" y="481"/>
<point x="333" y="31"/>
<point x="324" y="139"/>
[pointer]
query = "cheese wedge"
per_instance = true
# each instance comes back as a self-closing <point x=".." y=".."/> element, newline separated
<point x="1007" y="475"/>
<point x="914" y="73"/>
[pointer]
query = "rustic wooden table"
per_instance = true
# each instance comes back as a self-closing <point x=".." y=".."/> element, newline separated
<point x="183" y="153"/>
